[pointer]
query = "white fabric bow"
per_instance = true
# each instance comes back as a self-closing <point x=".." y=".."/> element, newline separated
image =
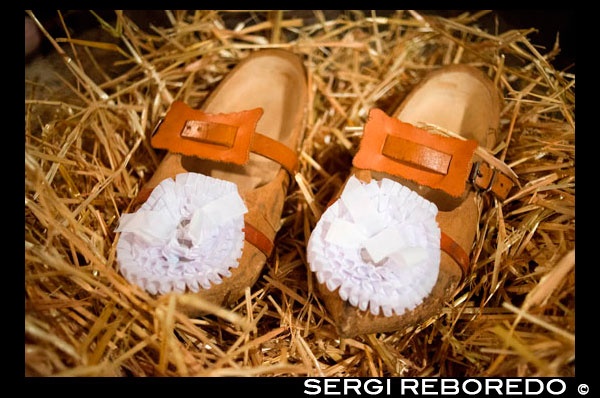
<point x="370" y="230"/>
<point x="379" y="244"/>
<point x="159" y="226"/>
<point x="188" y="233"/>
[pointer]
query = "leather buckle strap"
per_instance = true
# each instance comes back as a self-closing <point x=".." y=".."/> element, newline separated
<point x="209" y="132"/>
<point x="401" y="149"/>
<point x="487" y="179"/>
<point x="416" y="155"/>
<point x="222" y="137"/>
<point x="275" y="150"/>
<point x="391" y="146"/>
<point x="258" y="239"/>
<point x="453" y="249"/>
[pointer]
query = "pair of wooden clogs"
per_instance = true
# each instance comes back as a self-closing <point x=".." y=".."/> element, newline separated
<point x="248" y="133"/>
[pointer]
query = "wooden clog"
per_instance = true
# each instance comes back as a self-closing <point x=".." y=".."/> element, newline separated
<point x="442" y="170"/>
<point x="247" y="132"/>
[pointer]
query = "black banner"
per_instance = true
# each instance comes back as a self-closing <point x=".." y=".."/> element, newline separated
<point x="317" y="386"/>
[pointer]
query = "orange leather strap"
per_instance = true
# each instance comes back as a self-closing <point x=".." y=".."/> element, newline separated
<point x="222" y="137"/>
<point x="258" y="239"/>
<point x="211" y="133"/>
<point x="487" y="179"/>
<point x="275" y="150"/>
<point x="457" y="253"/>
<point x="401" y="149"/>
<point x="416" y="155"/>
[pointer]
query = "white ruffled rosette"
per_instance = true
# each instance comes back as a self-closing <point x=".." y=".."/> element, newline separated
<point x="187" y="234"/>
<point x="380" y="244"/>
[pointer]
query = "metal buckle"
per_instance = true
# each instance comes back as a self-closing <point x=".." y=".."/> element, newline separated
<point x="489" y="188"/>
<point x="475" y="174"/>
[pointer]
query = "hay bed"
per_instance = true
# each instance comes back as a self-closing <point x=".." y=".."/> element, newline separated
<point x="87" y="154"/>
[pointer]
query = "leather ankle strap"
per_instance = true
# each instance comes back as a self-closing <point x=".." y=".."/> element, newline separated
<point x="275" y="150"/>
<point x="445" y="163"/>
<point x="222" y="137"/>
<point x="258" y="239"/>
<point x="487" y="179"/>
<point x="453" y="249"/>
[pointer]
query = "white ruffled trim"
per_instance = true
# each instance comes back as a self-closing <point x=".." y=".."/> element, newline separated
<point x="187" y="234"/>
<point x="380" y="243"/>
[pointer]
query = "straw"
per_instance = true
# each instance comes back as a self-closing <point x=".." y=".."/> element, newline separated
<point x="87" y="154"/>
